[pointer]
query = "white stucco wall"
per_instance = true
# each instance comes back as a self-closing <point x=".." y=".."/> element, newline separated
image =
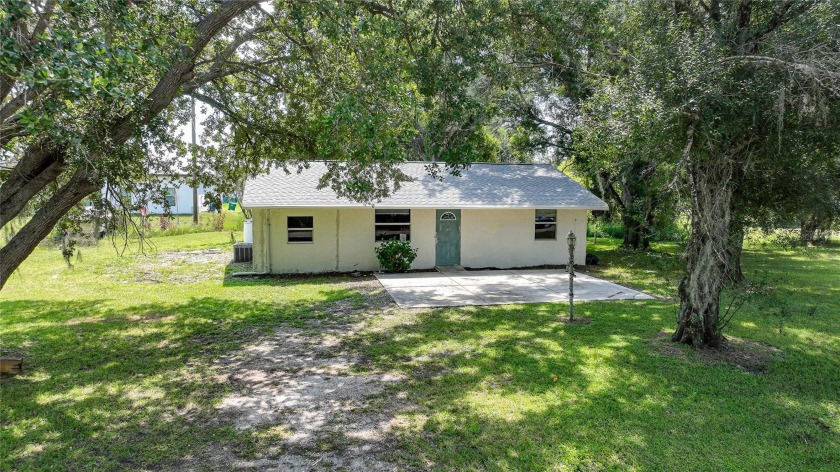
<point x="423" y="237"/>
<point x="505" y="238"/>
<point x="343" y="239"/>
<point x="259" y="230"/>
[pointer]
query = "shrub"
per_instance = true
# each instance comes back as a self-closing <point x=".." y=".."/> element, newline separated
<point x="605" y="228"/>
<point x="395" y="256"/>
<point x="219" y="221"/>
<point x="673" y="232"/>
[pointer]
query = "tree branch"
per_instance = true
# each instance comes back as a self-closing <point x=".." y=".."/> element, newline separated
<point x="686" y="152"/>
<point x="181" y="72"/>
<point x="26" y="41"/>
<point x="800" y="67"/>
<point x="783" y="15"/>
<point x="744" y="17"/>
<point x="607" y="186"/>
<point x="12" y="106"/>
<point x="43" y="21"/>
<point x="42" y="165"/>
<point x="378" y="9"/>
<point x="26" y="240"/>
<point x="231" y="48"/>
<point x="30" y="174"/>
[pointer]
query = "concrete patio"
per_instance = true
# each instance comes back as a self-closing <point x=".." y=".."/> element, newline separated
<point x="498" y="287"/>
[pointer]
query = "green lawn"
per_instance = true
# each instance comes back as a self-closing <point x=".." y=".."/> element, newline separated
<point x="119" y="369"/>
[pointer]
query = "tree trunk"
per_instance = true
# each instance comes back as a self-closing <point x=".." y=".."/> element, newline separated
<point x="27" y="239"/>
<point x="649" y="215"/>
<point x="637" y="230"/>
<point x="632" y="232"/>
<point x="39" y="166"/>
<point x="707" y="255"/>
<point x="637" y="208"/>
<point x="807" y="230"/>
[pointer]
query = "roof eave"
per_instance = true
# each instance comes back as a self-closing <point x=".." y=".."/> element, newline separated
<point x="461" y="206"/>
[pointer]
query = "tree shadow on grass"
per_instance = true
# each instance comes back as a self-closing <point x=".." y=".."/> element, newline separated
<point x="510" y="388"/>
<point x="286" y="280"/>
<point x="132" y="387"/>
<point x="488" y="388"/>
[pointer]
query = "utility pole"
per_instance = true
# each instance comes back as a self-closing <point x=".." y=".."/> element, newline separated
<point x="195" y="169"/>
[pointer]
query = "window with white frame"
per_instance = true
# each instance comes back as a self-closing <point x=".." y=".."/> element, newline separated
<point x="300" y="229"/>
<point x="545" y="224"/>
<point x="169" y="197"/>
<point x="393" y="224"/>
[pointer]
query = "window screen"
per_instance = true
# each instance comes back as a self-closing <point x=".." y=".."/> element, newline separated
<point x="545" y="224"/>
<point x="300" y="229"/>
<point x="393" y="224"/>
<point x="169" y="198"/>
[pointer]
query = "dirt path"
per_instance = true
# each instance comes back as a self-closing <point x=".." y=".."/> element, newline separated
<point x="296" y="388"/>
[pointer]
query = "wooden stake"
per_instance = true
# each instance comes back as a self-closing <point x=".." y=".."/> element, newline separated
<point x="11" y="365"/>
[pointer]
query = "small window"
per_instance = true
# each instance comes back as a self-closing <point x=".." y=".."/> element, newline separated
<point x="170" y="197"/>
<point x="545" y="224"/>
<point x="448" y="216"/>
<point x="393" y="224"/>
<point x="300" y="228"/>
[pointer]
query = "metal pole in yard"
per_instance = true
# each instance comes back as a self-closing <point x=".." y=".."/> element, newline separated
<point x="571" y="239"/>
<point x="195" y="171"/>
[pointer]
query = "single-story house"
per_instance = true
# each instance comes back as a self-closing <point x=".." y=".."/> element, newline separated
<point x="177" y="196"/>
<point x="492" y="215"/>
<point x="177" y="199"/>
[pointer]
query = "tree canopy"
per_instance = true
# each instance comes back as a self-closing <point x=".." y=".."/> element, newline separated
<point x="92" y="90"/>
<point x="728" y="95"/>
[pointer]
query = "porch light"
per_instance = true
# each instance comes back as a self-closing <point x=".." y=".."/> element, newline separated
<point x="571" y="240"/>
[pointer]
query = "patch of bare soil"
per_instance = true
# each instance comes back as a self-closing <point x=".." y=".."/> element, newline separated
<point x="749" y="356"/>
<point x="298" y="392"/>
<point x="163" y="267"/>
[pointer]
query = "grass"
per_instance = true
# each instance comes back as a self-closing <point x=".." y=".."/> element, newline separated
<point x="518" y="390"/>
<point x="177" y="225"/>
<point x="119" y="374"/>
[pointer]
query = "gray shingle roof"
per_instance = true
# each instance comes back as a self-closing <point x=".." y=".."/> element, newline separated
<point x="479" y="186"/>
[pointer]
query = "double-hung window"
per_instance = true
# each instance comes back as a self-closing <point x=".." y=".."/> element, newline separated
<point x="300" y="229"/>
<point x="545" y="224"/>
<point x="393" y="224"/>
<point x="169" y="197"/>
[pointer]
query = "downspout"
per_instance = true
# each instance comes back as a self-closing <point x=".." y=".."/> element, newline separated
<point x="268" y="241"/>
<point x="337" y="236"/>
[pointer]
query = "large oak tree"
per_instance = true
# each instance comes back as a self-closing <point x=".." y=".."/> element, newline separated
<point x="81" y="90"/>
<point x="90" y="92"/>
<point x="738" y="94"/>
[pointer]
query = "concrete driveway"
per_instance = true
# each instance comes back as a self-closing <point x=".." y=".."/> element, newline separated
<point x="498" y="287"/>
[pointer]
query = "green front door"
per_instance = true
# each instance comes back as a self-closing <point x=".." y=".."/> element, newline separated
<point x="448" y="237"/>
